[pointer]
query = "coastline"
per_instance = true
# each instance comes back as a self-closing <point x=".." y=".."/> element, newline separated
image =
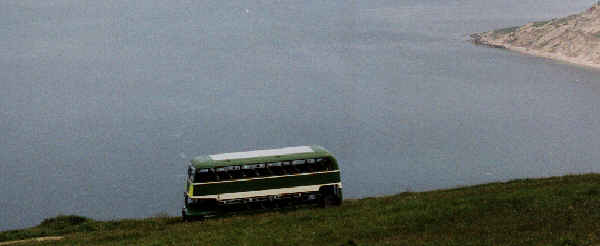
<point x="574" y="39"/>
<point x="479" y="40"/>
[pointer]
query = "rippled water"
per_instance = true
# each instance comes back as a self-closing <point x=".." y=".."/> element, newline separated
<point x="102" y="102"/>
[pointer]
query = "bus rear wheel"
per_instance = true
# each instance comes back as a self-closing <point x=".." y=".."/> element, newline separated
<point x="329" y="200"/>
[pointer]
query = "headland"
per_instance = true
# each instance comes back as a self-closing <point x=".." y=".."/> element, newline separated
<point x="574" y="39"/>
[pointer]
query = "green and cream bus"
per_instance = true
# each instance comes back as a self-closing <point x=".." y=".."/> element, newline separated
<point x="302" y="174"/>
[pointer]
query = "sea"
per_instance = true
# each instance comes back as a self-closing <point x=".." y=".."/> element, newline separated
<point x="103" y="103"/>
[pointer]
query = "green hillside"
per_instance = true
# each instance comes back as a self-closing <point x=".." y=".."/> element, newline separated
<point x="550" y="211"/>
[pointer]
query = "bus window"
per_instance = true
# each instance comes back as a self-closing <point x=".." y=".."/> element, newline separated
<point x="213" y="177"/>
<point x="235" y="172"/>
<point x="222" y="173"/>
<point x="204" y="175"/>
<point x="300" y="166"/>
<point x="288" y="167"/>
<point x="311" y="165"/>
<point x="329" y="164"/>
<point x="276" y="168"/>
<point x="249" y="171"/>
<point x="263" y="170"/>
<point x="320" y="165"/>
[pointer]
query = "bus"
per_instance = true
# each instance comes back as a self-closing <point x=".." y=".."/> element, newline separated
<point x="261" y="178"/>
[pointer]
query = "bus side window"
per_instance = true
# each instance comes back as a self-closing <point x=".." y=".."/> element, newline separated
<point x="249" y="171"/>
<point x="325" y="164"/>
<point x="282" y="170"/>
<point x="263" y="171"/>
<point x="276" y="168"/>
<point x="321" y="165"/>
<point x="310" y="165"/>
<point x="204" y="175"/>
<point x="300" y="165"/>
<point x="289" y="168"/>
<point x="329" y="164"/>
<point x="213" y="175"/>
<point x="236" y="172"/>
<point x="222" y="174"/>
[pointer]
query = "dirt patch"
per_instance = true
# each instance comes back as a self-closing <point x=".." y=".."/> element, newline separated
<point x="37" y="239"/>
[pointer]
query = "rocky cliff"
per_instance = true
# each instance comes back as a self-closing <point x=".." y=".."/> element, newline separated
<point x="574" y="39"/>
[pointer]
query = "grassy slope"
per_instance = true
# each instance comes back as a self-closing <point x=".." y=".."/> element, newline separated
<point x="551" y="211"/>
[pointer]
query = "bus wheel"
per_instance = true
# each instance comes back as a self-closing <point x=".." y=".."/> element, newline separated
<point x="328" y="200"/>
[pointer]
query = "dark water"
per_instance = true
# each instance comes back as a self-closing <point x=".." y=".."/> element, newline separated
<point x="102" y="102"/>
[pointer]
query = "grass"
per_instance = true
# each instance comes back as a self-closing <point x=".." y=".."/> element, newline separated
<point x="550" y="211"/>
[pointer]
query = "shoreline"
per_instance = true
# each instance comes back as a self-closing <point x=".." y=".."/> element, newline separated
<point x="478" y="39"/>
<point x="574" y="39"/>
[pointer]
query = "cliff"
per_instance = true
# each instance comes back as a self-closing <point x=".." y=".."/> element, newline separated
<point x="574" y="39"/>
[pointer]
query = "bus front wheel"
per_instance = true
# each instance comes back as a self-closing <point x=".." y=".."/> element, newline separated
<point x="183" y="216"/>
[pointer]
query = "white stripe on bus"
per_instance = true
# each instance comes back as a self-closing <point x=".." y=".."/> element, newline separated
<point x="270" y="192"/>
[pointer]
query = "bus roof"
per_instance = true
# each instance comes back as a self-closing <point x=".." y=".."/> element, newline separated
<point x="260" y="156"/>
